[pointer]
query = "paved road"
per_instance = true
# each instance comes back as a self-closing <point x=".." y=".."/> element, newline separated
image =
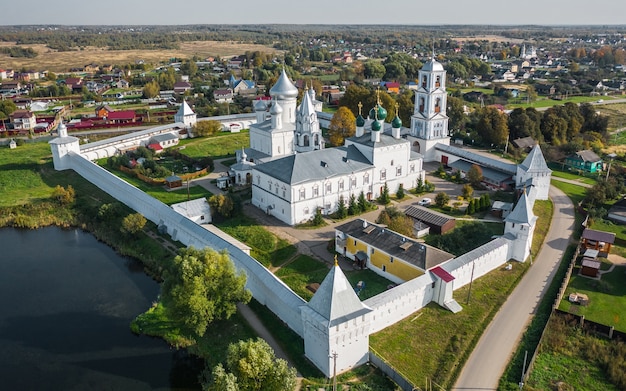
<point x="494" y="350"/>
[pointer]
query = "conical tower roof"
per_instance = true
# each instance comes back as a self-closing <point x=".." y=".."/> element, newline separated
<point x="306" y="107"/>
<point x="184" y="109"/>
<point x="522" y="213"/>
<point x="336" y="300"/>
<point x="535" y="161"/>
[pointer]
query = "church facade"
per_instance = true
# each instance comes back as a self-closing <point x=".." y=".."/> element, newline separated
<point x="295" y="175"/>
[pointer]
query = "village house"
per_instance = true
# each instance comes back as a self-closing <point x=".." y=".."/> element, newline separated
<point x="181" y="87"/>
<point x="587" y="161"/>
<point x="223" y="95"/>
<point x="23" y="120"/>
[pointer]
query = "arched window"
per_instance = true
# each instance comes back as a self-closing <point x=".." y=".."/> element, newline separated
<point x="316" y="139"/>
<point x="366" y="179"/>
<point x="437" y="105"/>
<point x="305" y="140"/>
<point x="424" y="81"/>
<point x="303" y="194"/>
<point x="422" y="105"/>
<point x="438" y="81"/>
<point x="316" y="191"/>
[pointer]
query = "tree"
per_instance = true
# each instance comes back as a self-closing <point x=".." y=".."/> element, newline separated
<point x="442" y="199"/>
<point x="202" y="286"/>
<point x="318" y="219"/>
<point x="206" y="128"/>
<point x="254" y="367"/>
<point x="475" y="175"/>
<point x="456" y="114"/>
<point x="353" y="206"/>
<point x="342" y="126"/>
<point x="64" y="196"/>
<point x="468" y="190"/>
<point x="492" y="126"/>
<point x="384" y="195"/>
<point x="373" y="69"/>
<point x="7" y="106"/>
<point x="342" y="211"/>
<point x="396" y="221"/>
<point x="362" y="202"/>
<point x="221" y="204"/>
<point x="471" y="207"/>
<point x="400" y="192"/>
<point x="133" y="223"/>
<point x="151" y="90"/>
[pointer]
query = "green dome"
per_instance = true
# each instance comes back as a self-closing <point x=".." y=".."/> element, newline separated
<point x="376" y="126"/>
<point x="382" y="113"/>
<point x="360" y="121"/>
<point x="396" y="123"/>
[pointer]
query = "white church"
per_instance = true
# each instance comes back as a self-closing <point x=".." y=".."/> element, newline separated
<point x="293" y="175"/>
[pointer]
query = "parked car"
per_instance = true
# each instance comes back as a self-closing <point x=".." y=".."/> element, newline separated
<point x="425" y="202"/>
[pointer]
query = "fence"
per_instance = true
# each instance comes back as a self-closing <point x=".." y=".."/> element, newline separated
<point x="602" y="329"/>
<point x="391" y="372"/>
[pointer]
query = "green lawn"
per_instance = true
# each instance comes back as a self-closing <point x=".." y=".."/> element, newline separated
<point x="267" y="248"/>
<point x="546" y="102"/>
<point x="607" y="298"/>
<point x="217" y="147"/>
<point x="305" y="270"/>
<point x="559" y="171"/>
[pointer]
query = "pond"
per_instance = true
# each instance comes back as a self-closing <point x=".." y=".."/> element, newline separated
<point x="66" y="302"/>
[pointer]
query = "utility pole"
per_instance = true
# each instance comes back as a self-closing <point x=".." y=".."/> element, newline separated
<point x="334" y="356"/>
<point x="469" y="292"/>
<point x="521" y="382"/>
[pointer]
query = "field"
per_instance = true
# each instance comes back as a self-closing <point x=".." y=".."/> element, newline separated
<point x="55" y="61"/>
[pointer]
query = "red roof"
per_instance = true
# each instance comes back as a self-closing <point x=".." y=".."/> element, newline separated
<point x="155" y="147"/>
<point x="123" y="114"/>
<point x="392" y="84"/>
<point x="444" y="275"/>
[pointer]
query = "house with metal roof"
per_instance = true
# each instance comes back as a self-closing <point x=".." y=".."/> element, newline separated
<point x="439" y="223"/>
<point x="587" y="161"/>
<point x="386" y="252"/>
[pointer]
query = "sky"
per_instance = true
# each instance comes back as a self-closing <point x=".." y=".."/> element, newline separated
<point x="414" y="12"/>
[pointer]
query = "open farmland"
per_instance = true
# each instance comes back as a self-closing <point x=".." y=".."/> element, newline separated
<point x="55" y="61"/>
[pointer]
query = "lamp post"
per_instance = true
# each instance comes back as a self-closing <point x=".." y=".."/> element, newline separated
<point x="611" y="156"/>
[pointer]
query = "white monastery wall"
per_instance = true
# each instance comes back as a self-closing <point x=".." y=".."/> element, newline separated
<point x="265" y="287"/>
<point x="482" y="259"/>
<point x="397" y="303"/>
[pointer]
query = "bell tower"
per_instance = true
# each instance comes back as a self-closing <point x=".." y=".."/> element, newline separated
<point x="429" y="122"/>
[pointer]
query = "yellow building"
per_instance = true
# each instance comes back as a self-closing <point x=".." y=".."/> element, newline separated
<point x="388" y="253"/>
